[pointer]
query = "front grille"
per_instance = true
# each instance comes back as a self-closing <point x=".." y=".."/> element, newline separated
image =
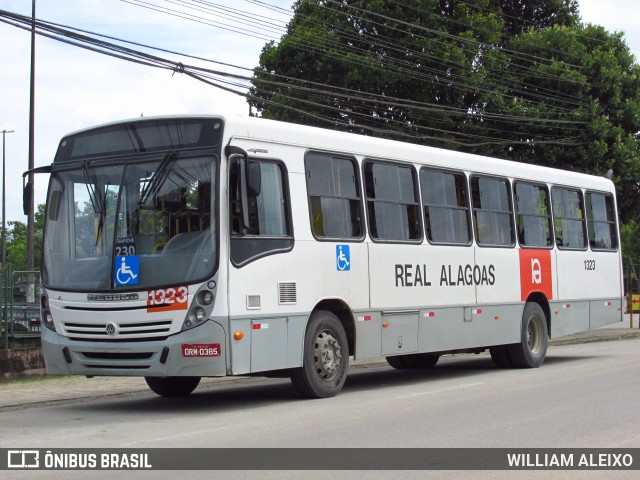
<point x="118" y="356"/>
<point x="118" y="367"/>
<point x="115" y="360"/>
<point x="151" y="331"/>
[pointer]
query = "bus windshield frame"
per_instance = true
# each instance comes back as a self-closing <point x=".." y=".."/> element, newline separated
<point x="135" y="220"/>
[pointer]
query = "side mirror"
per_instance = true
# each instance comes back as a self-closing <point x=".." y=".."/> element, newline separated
<point x="27" y="194"/>
<point x="27" y="191"/>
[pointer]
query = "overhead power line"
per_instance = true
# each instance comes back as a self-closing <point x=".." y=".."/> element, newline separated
<point x="404" y="62"/>
<point x="316" y="95"/>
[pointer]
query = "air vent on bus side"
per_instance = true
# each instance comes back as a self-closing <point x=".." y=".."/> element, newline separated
<point x="287" y="293"/>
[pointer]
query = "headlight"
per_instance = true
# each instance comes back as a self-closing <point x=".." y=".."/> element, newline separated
<point x="195" y="317"/>
<point x="47" y="320"/>
<point x="199" y="314"/>
<point x="206" y="297"/>
<point x="202" y="307"/>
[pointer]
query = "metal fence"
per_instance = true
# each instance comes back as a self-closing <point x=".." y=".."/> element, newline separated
<point x="20" y="294"/>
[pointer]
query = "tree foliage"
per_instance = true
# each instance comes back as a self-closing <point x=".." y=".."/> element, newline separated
<point x="17" y="241"/>
<point x="516" y="79"/>
<point x="410" y="69"/>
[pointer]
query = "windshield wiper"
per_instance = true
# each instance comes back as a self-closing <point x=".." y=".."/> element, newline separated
<point x="99" y="203"/>
<point x="91" y="181"/>
<point x="159" y="177"/>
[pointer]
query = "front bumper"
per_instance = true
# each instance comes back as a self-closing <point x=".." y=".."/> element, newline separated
<point x="64" y="356"/>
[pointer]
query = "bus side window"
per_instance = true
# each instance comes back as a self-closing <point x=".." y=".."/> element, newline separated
<point x="533" y="215"/>
<point x="335" y="205"/>
<point x="268" y="229"/>
<point x="601" y="221"/>
<point x="569" y="218"/>
<point x="446" y="206"/>
<point x="392" y="202"/>
<point x="492" y="211"/>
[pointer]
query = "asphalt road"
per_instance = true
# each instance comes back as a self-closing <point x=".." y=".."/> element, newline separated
<point x="584" y="396"/>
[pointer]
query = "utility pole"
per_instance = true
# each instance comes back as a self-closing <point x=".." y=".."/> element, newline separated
<point x="30" y="216"/>
<point x="4" y="200"/>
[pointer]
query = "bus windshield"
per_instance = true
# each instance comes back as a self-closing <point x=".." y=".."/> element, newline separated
<point x="130" y="225"/>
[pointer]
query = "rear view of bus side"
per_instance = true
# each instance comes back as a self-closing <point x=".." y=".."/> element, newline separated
<point x="305" y="246"/>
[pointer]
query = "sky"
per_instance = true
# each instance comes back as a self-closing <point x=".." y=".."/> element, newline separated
<point x="76" y="88"/>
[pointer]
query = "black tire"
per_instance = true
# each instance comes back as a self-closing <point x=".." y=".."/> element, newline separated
<point x="172" y="386"/>
<point x="532" y="349"/>
<point x="413" y="361"/>
<point x="325" y="358"/>
<point x="500" y="356"/>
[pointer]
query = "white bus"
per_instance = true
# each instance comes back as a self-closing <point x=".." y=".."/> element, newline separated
<point x="185" y="247"/>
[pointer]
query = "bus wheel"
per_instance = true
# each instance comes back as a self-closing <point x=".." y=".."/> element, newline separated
<point x="325" y="358"/>
<point x="414" y="361"/>
<point x="532" y="349"/>
<point x="500" y="356"/>
<point x="172" y="386"/>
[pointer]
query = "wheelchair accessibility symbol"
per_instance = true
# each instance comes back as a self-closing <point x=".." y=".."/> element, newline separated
<point x="127" y="270"/>
<point x="343" y="258"/>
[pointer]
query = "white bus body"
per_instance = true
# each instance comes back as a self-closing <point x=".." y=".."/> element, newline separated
<point x="280" y="287"/>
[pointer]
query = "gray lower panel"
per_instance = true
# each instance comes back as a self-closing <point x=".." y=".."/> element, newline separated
<point x="267" y="343"/>
<point x="569" y="317"/>
<point x="436" y="329"/>
<point x="188" y="354"/>
<point x="399" y="333"/>
<point x="605" y="312"/>
<point x="456" y="328"/>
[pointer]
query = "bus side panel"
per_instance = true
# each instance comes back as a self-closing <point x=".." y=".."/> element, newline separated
<point x="414" y="276"/>
<point x="587" y="275"/>
<point x="604" y="312"/>
<point x="592" y="277"/>
<point x="569" y="317"/>
<point x="498" y="317"/>
<point x="368" y="327"/>
<point x="606" y="306"/>
<point x="399" y="332"/>
<point x="468" y="327"/>
<point x="273" y="297"/>
<point x="497" y="275"/>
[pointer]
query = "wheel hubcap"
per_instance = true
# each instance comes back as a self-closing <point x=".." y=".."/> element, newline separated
<point x="534" y="331"/>
<point x="327" y="355"/>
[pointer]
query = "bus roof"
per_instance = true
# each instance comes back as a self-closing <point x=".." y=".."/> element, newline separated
<point x="316" y="138"/>
<point x="361" y="145"/>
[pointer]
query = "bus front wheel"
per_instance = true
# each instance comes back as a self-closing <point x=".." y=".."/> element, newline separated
<point x="325" y="357"/>
<point x="532" y="349"/>
<point x="172" y="386"/>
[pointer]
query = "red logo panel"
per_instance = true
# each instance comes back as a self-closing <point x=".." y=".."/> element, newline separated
<point x="535" y="273"/>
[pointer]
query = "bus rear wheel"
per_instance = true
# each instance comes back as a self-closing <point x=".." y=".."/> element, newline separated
<point x="415" y="361"/>
<point x="532" y="349"/>
<point x="172" y="386"/>
<point x="325" y="357"/>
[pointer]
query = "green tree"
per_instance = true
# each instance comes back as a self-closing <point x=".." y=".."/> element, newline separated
<point x="515" y="79"/>
<point x="17" y="241"/>
<point x="630" y="233"/>
<point x="407" y="69"/>
<point x="595" y="71"/>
